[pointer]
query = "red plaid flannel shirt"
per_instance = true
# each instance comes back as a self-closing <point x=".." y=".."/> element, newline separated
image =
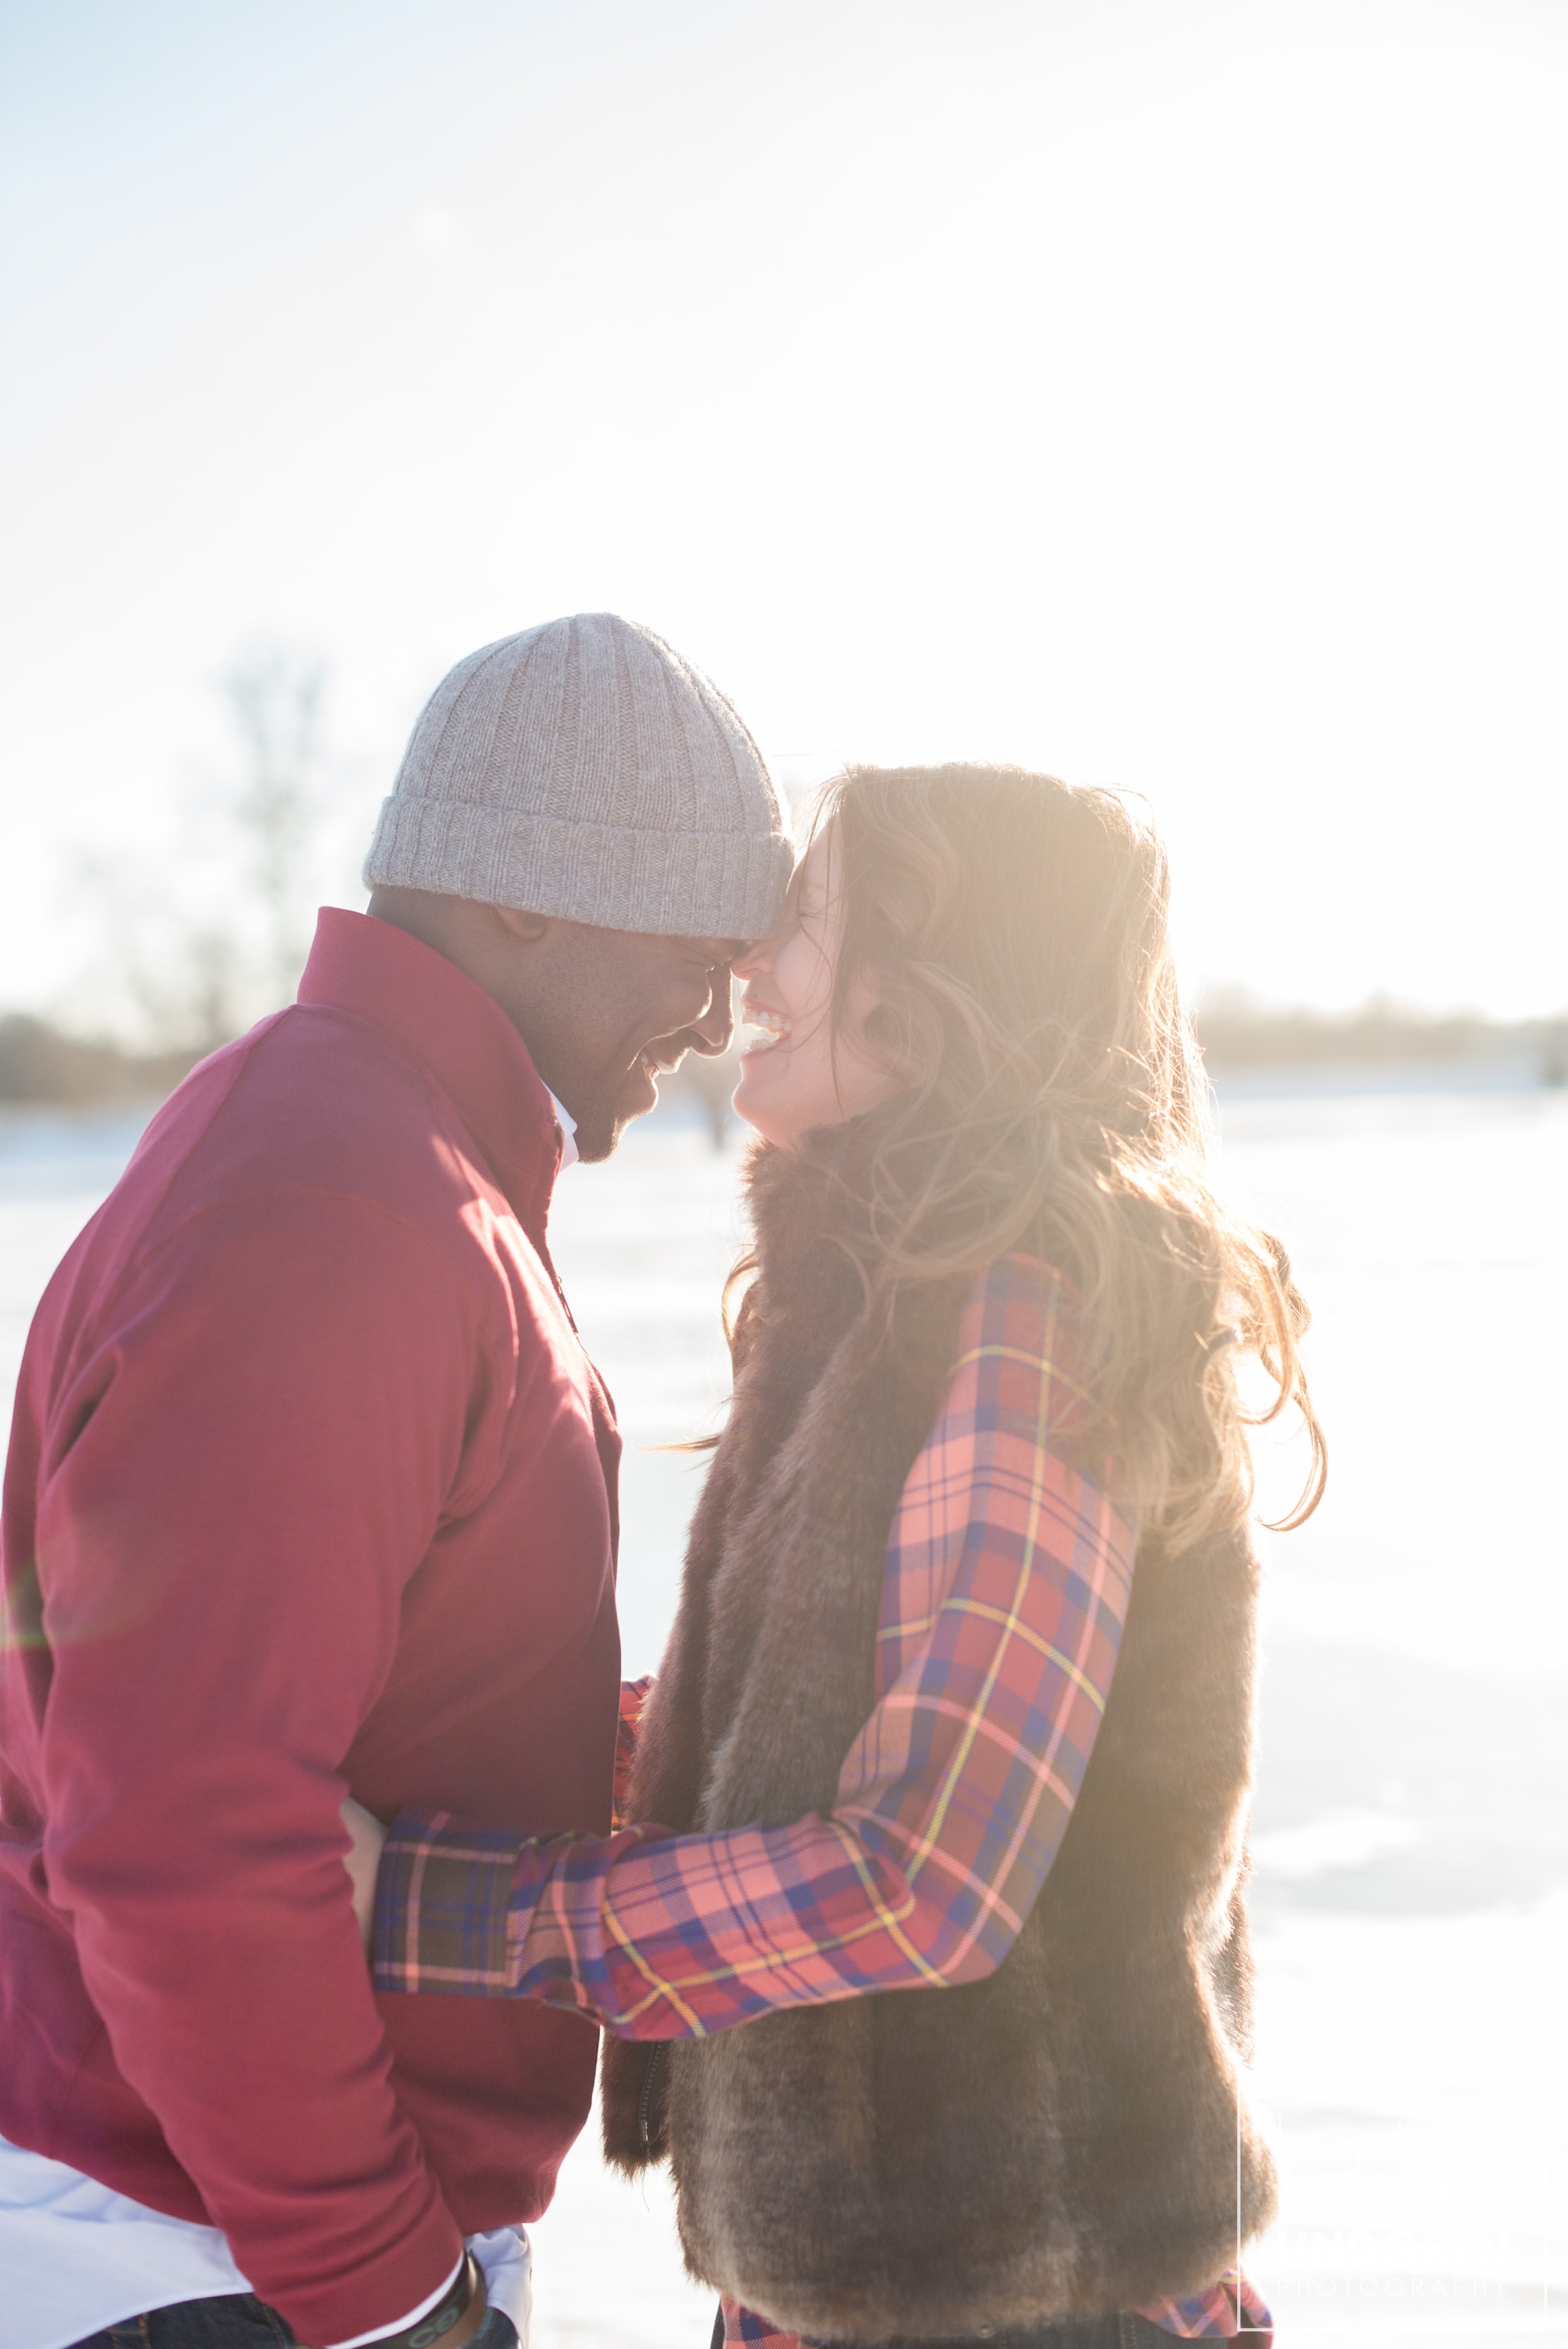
<point x="1004" y="1597"/>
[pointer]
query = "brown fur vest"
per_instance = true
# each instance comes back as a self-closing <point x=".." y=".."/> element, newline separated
<point x="1066" y="2136"/>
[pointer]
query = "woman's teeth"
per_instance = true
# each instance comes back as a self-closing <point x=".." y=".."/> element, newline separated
<point x="766" y="1029"/>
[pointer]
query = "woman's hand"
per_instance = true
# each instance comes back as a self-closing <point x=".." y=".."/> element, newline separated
<point x="365" y="1836"/>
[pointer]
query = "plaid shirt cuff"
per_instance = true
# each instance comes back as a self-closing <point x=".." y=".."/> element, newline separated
<point x="441" y="1903"/>
<point x="455" y="1903"/>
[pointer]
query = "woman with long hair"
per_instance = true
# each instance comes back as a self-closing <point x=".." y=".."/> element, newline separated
<point x="941" y="1791"/>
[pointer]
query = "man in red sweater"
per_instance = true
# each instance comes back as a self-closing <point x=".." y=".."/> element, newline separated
<point x="312" y="1491"/>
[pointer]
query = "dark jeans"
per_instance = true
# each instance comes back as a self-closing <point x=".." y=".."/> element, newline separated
<point x="238" y="2320"/>
<point x="1077" y="2333"/>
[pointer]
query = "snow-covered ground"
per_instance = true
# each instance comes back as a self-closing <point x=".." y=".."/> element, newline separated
<point x="1412" y="1837"/>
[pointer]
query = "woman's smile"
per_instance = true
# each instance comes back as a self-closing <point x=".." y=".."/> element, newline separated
<point x="764" y="1028"/>
<point x="796" y="1072"/>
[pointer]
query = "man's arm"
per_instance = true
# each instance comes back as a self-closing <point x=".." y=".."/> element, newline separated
<point x="249" y="1471"/>
<point x="952" y="1803"/>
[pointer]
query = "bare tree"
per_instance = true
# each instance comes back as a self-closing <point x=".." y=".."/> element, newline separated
<point x="165" y="980"/>
<point x="194" y="944"/>
<point x="275" y="698"/>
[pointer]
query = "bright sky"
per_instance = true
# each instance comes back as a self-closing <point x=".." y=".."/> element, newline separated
<point x="1168" y="392"/>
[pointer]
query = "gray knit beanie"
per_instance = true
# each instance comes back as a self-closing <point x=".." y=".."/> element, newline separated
<point x="582" y="769"/>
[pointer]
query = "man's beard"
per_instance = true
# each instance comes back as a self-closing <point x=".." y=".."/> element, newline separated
<point x="598" y="1135"/>
<point x="601" y="1123"/>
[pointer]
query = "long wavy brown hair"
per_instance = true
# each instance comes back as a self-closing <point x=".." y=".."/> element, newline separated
<point x="1011" y="934"/>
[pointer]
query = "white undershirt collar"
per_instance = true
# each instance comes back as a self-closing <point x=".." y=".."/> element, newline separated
<point x="568" y="1124"/>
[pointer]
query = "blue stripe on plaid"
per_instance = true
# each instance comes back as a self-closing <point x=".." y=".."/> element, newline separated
<point x="441" y="1887"/>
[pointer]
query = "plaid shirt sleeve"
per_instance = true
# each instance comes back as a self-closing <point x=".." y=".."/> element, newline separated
<point x="628" y="1721"/>
<point x="1006" y="1587"/>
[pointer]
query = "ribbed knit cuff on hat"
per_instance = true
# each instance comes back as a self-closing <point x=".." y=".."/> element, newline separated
<point x="582" y="769"/>
<point x="674" y="883"/>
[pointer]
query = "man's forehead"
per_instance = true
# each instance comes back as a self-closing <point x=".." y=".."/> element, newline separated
<point x="716" y="950"/>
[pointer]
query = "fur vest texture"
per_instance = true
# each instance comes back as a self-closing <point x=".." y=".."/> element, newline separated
<point x="1069" y="2136"/>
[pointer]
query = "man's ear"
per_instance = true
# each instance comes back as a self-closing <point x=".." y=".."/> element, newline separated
<point x="528" y="929"/>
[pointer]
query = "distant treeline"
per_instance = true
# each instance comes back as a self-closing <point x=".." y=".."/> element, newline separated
<point x="41" y="1062"/>
<point x="44" y="1063"/>
<point x="1235" y="1034"/>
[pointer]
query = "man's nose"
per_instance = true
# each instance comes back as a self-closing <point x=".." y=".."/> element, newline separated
<point x="716" y="1025"/>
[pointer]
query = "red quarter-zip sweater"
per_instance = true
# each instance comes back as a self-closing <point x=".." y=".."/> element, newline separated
<point x="311" y="1488"/>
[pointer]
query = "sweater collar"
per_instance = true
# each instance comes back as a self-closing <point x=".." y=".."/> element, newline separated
<point x="456" y="1034"/>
